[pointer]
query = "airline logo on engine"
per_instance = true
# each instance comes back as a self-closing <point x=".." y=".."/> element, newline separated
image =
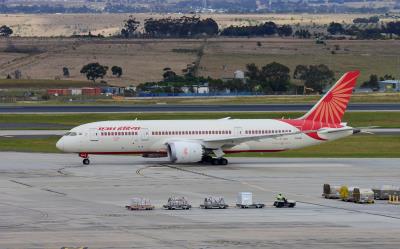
<point x="119" y="128"/>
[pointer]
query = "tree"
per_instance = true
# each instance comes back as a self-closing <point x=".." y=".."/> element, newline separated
<point x="299" y="71"/>
<point x="252" y="72"/>
<point x="17" y="74"/>
<point x="254" y="76"/>
<point x="94" y="71"/>
<point x="372" y="82"/>
<point x="275" y="77"/>
<point x="285" y="30"/>
<point x="387" y="77"/>
<point x="373" y="33"/>
<point x="303" y="33"/>
<point x="372" y="19"/>
<point x="116" y="71"/>
<point x="393" y="28"/>
<point x="65" y="72"/>
<point x="5" y="31"/>
<point x="269" y="28"/>
<point x="335" y="28"/>
<point x="207" y="26"/>
<point x="130" y="27"/>
<point x="168" y="74"/>
<point x="315" y="77"/>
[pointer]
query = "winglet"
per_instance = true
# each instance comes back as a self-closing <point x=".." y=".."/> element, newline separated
<point x="331" y="107"/>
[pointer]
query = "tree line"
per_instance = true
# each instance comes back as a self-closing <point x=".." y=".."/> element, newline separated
<point x="185" y="26"/>
<point x="272" y="78"/>
<point x="267" y="28"/>
<point x="390" y="28"/>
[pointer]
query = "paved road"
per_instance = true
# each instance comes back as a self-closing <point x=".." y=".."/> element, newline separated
<point x="186" y="108"/>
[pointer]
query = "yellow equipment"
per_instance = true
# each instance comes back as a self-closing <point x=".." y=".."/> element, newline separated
<point x="394" y="199"/>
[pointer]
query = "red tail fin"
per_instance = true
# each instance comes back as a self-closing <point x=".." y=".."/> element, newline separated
<point x="330" y="109"/>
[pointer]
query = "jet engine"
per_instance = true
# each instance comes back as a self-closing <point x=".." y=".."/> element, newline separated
<point x="185" y="152"/>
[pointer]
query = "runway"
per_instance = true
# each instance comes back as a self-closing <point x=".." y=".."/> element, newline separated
<point x="185" y="108"/>
<point x="51" y="201"/>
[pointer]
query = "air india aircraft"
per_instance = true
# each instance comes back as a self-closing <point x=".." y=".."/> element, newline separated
<point x="207" y="141"/>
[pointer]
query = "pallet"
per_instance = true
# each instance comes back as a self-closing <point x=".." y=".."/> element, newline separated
<point x="140" y="207"/>
<point x="256" y="205"/>
<point x="183" y="207"/>
<point x="214" y="206"/>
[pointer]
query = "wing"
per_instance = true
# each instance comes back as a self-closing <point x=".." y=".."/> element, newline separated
<point x="235" y="140"/>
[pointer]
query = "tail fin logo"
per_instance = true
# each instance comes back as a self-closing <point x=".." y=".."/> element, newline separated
<point x="330" y="109"/>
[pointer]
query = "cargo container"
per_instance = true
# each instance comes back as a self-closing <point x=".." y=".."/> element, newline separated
<point x="346" y="193"/>
<point x="363" y="195"/>
<point x="245" y="200"/>
<point x="59" y="92"/>
<point x="383" y="192"/>
<point x="91" y="91"/>
<point x="331" y="191"/>
<point x="76" y="91"/>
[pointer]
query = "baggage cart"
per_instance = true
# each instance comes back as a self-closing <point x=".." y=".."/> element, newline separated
<point x="177" y="203"/>
<point x="214" y="203"/>
<point x="137" y="204"/>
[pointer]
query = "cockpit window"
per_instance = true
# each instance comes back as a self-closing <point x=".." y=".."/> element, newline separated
<point x="70" y="134"/>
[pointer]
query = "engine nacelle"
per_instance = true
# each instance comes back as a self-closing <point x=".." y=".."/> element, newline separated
<point x="185" y="152"/>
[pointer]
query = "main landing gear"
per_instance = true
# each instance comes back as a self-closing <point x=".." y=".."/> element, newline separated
<point x="214" y="161"/>
<point x="85" y="157"/>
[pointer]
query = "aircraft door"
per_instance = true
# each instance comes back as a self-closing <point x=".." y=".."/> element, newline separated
<point x="238" y="131"/>
<point x="93" y="134"/>
<point x="144" y="134"/>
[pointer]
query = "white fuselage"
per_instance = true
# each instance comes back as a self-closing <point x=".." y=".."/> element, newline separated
<point x="141" y="137"/>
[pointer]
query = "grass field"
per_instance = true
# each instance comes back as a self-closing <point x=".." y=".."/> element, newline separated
<point x="354" y="146"/>
<point x="355" y="119"/>
<point x="144" y="60"/>
<point x="68" y="24"/>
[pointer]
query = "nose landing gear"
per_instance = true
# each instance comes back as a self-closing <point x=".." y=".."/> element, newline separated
<point x="85" y="157"/>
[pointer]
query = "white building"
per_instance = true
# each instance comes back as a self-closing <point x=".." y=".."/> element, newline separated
<point x="238" y="74"/>
<point x="389" y="86"/>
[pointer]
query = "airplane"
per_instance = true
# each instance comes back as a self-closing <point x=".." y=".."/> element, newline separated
<point x="207" y="141"/>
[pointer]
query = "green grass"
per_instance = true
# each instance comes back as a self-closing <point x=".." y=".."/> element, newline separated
<point x="355" y="119"/>
<point x="29" y="144"/>
<point x="363" y="146"/>
<point x="368" y="146"/>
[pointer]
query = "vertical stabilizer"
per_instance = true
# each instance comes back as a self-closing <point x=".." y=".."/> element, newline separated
<point x="331" y="107"/>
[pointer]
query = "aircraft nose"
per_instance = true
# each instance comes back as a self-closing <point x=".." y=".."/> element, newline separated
<point x="60" y="144"/>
